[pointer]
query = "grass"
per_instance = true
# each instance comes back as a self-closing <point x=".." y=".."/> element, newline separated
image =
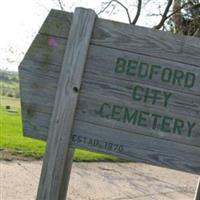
<point x="11" y="137"/>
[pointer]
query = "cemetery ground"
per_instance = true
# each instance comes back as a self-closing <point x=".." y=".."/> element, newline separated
<point x="14" y="145"/>
<point x="20" y="167"/>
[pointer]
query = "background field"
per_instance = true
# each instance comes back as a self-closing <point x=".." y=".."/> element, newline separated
<point x="11" y="136"/>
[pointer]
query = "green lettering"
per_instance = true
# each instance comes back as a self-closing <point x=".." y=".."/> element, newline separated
<point x="178" y="126"/>
<point x="128" y="118"/>
<point x="190" y="127"/>
<point x="143" y="70"/>
<point x="155" y="120"/>
<point x="90" y="142"/>
<point x="151" y="94"/>
<point x="189" y="80"/>
<point x="120" y="65"/>
<point x="116" y="112"/>
<point x="84" y="139"/>
<point x="136" y="96"/>
<point x="79" y="139"/>
<point x="73" y="138"/>
<point x="142" y="120"/>
<point x="131" y="67"/>
<point x="96" y="143"/>
<point x="166" y="75"/>
<point x="166" y="98"/>
<point x="103" y="108"/>
<point x="165" y="124"/>
<point x="154" y="70"/>
<point x="178" y="76"/>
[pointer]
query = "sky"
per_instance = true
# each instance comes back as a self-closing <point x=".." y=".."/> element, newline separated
<point x="20" y="21"/>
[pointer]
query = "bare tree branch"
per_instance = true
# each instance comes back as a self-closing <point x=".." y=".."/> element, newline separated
<point x="113" y="8"/>
<point x="61" y="5"/>
<point x="139" y="6"/>
<point x="160" y="24"/>
<point x="103" y="10"/>
<point x="177" y="10"/>
<point x="183" y="6"/>
<point x="197" y="33"/>
<point x="118" y="2"/>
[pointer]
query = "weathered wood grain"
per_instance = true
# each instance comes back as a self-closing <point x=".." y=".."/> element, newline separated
<point x="140" y="148"/>
<point x="101" y="66"/>
<point x="132" y="38"/>
<point x="109" y="90"/>
<point x="179" y="103"/>
<point x="39" y="114"/>
<point x="105" y="58"/>
<point x="89" y="104"/>
<point x="101" y="81"/>
<point x="55" y="20"/>
<point x="47" y="49"/>
<point x="58" y="156"/>
<point x="89" y="110"/>
<point x="40" y="70"/>
<point x="102" y="61"/>
<point x="113" y="88"/>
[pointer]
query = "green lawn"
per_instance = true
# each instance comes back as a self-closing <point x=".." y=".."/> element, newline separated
<point x="11" y="137"/>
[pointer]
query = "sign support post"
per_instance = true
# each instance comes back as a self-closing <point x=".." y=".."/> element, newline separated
<point x="197" y="194"/>
<point x="138" y="100"/>
<point x="58" y="156"/>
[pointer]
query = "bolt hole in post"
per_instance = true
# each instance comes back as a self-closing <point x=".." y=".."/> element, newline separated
<point x="75" y="89"/>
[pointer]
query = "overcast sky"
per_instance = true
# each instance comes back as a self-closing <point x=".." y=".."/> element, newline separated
<point x="21" y="19"/>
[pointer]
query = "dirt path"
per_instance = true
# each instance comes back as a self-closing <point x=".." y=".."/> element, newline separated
<point x="101" y="181"/>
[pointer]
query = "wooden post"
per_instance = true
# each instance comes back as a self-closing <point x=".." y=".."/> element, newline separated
<point x="58" y="156"/>
<point x="197" y="194"/>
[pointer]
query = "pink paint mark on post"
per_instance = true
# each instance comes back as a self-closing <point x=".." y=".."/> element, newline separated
<point x="52" y="41"/>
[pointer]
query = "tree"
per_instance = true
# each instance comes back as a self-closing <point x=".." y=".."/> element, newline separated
<point x="186" y="17"/>
<point x="178" y="16"/>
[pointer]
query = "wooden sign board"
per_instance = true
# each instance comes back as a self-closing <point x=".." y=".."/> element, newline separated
<point x="139" y="97"/>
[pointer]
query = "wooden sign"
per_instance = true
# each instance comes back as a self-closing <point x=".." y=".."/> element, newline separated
<point x="139" y="95"/>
